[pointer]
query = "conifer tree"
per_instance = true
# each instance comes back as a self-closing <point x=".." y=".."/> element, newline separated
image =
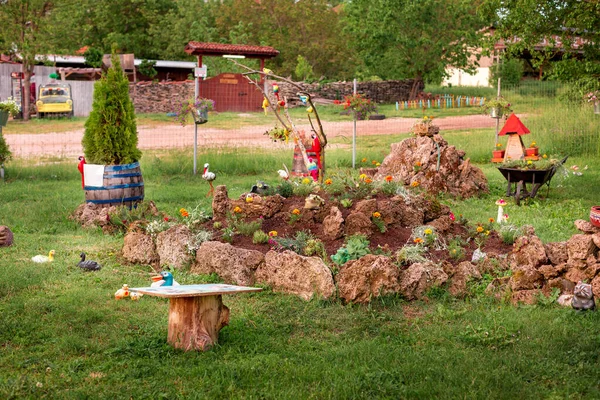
<point x="110" y="136"/>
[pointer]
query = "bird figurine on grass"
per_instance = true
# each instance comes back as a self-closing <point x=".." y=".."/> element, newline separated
<point x="122" y="293"/>
<point x="284" y="173"/>
<point x="209" y="177"/>
<point x="44" y="259"/>
<point x="88" y="265"/>
<point x="164" y="279"/>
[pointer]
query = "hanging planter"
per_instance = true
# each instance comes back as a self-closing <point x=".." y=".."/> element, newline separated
<point x="496" y="112"/>
<point x="201" y="116"/>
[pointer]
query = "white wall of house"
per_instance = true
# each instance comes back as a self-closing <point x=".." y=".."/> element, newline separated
<point x="458" y="77"/>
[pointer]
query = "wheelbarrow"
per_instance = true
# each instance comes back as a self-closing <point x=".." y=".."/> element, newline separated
<point x="520" y="178"/>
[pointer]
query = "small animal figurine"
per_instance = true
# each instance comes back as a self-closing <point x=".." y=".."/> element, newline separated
<point x="44" y="259"/>
<point x="6" y="236"/>
<point x="260" y="188"/>
<point x="583" y="297"/>
<point x="313" y="202"/>
<point x="209" y="177"/>
<point x="122" y="293"/>
<point x="80" y="168"/>
<point x="88" y="265"/>
<point x="135" y="296"/>
<point x="164" y="279"/>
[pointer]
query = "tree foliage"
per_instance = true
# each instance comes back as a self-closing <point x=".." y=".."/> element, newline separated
<point x="413" y="39"/>
<point x="110" y="135"/>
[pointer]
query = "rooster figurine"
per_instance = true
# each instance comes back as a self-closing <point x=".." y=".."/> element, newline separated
<point x="43" y="259"/>
<point x="209" y="177"/>
<point x="284" y="173"/>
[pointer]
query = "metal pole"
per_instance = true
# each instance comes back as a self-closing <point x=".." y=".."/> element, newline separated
<point x="354" y="133"/>
<point x="497" y="119"/>
<point x="195" y="145"/>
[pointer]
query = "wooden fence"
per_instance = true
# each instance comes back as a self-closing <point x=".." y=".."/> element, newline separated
<point x="445" y="101"/>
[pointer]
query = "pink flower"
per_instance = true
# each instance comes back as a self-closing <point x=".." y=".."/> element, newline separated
<point x="452" y="217"/>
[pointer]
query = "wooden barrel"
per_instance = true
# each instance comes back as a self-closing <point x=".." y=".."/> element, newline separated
<point x="298" y="166"/>
<point x="122" y="185"/>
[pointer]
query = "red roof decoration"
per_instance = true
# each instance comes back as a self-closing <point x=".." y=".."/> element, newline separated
<point x="220" y="49"/>
<point x="514" y="125"/>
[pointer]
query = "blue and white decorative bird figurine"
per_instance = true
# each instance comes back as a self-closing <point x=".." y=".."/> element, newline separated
<point x="44" y="259"/>
<point x="88" y="265"/>
<point x="164" y="279"/>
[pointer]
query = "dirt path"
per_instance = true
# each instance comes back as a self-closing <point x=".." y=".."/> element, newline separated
<point x="68" y="144"/>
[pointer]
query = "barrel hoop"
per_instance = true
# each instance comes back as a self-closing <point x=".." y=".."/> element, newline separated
<point x="123" y="186"/>
<point x="123" y="200"/>
<point x="122" y="175"/>
<point x="121" y="167"/>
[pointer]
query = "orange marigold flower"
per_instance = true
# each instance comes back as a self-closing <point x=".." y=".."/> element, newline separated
<point x="368" y="180"/>
<point x="479" y="229"/>
<point x="418" y="240"/>
<point x="418" y="164"/>
<point x="374" y="162"/>
<point x="415" y="184"/>
<point x="237" y="210"/>
<point x="328" y="181"/>
<point x="491" y="219"/>
<point x="376" y="214"/>
<point x="388" y="178"/>
<point x="183" y="212"/>
<point x="296" y="211"/>
<point x="364" y="160"/>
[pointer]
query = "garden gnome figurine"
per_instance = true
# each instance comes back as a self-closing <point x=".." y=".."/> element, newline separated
<point x="500" y="203"/>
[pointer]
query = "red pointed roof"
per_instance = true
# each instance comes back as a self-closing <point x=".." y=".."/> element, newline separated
<point x="514" y="125"/>
<point x="219" y="49"/>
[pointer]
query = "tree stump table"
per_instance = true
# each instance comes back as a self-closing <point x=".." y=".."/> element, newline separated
<point x="196" y="312"/>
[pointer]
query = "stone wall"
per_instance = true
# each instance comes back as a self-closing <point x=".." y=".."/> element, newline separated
<point x="162" y="97"/>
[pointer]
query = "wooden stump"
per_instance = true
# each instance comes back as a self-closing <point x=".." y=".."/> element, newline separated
<point x="195" y="322"/>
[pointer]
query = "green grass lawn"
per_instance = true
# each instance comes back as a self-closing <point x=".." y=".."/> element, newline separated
<point x="64" y="336"/>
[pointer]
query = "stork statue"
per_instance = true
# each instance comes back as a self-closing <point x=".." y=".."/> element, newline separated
<point x="209" y="177"/>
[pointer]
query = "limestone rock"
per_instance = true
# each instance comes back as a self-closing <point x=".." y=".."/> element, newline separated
<point x="265" y="206"/>
<point x="498" y="287"/>
<point x="465" y="271"/>
<point x="367" y="207"/>
<point x="90" y="215"/>
<point x="526" y="296"/>
<point x="139" y="248"/>
<point x="528" y="251"/>
<point x="368" y="277"/>
<point x="441" y="224"/>
<point x="234" y="265"/>
<point x="6" y="236"/>
<point x="172" y="246"/>
<point x="586" y="226"/>
<point x="562" y="284"/>
<point x="454" y="175"/>
<point x="358" y="223"/>
<point x="292" y="273"/>
<point x="419" y="278"/>
<point x="333" y="225"/>
<point x="557" y="252"/>
<point x="596" y="287"/>
<point x="580" y="246"/>
<point x="220" y="203"/>
<point x="596" y="239"/>
<point x="548" y="271"/>
<point x="525" y="277"/>
<point x="575" y="275"/>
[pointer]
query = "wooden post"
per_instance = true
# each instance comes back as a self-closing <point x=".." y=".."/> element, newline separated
<point x="195" y="322"/>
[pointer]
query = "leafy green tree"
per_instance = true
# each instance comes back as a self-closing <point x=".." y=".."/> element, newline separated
<point x="557" y="23"/>
<point x="146" y="67"/>
<point x="93" y="57"/>
<point x="110" y="136"/>
<point x="24" y="30"/>
<point x="304" y="70"/>
<point x="413" y="39"/>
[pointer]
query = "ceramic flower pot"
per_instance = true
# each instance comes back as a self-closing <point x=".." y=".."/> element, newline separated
<point x="531" y="151"/>
<point x="595" y="216"/>
<point x="498" y="153"/>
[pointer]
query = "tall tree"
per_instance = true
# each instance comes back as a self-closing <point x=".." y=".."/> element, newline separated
<point x="24" y="31"/>
<point x="414" y="38"/>
<point x="568" y="28"/>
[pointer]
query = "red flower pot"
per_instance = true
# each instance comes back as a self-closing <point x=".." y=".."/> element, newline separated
<point x="498" y="153"/>
<point x="595" y="216"/>
<point x="531" y="151"/>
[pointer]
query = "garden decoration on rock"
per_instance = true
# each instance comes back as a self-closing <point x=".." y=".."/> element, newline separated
<point x="583" y="297"/>
<point x="288" y="129"/>
<point x="430" y="163"/>
<point x="112" y="175"/>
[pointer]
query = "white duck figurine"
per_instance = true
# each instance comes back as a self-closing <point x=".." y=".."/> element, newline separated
<point x="209" y="177"/>
<point x="164" y="279"/>
<point x="44" y="259"/>
<point x="284" y="174"/>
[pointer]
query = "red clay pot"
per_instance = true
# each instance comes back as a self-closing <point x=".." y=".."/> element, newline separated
<point x="498" y="153"/>
<point x="595" y="216"/>
<point x="531" y="151"/>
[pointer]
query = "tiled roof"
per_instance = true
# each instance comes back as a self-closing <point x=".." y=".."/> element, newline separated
<point x="219" y="49"/>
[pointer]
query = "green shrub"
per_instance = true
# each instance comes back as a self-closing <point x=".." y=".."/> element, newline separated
<point x="356" y="246"/>
<point x="509" y="233"/>
<point x="260" y="237"/>
<point x="456" y="249"/>
<point x="510" y="72"/>
<point x="110" y="136"/>
<point x="5" y="153"/>
<point x="285" y="189"/>
<point x="410" y="254"/>
<point x="247" y="228"/>
<point x="575" y="91"/>
<point x="297" y="244"/>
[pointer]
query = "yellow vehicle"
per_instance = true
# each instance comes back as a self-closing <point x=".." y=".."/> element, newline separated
<point x="54" y="100"/>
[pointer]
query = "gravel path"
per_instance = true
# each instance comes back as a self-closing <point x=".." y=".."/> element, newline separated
<point x="68" y="144"/>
